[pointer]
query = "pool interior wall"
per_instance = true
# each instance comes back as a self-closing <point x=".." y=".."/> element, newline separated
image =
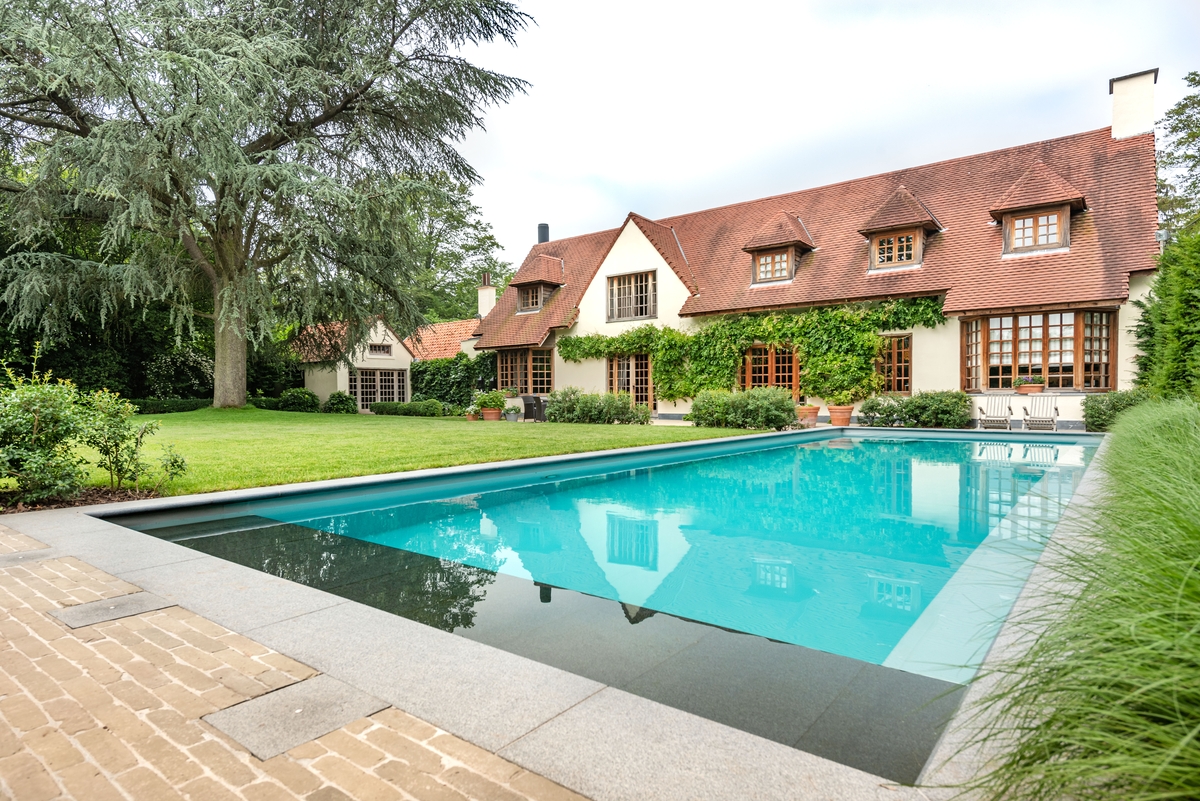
<point x="835" y="705"/>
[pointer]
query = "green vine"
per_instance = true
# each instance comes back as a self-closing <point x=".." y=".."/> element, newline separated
<point x="685" y="364"/>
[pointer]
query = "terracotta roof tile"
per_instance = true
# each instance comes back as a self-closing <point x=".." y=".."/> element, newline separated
<point x="441" y="340"/>
<point x="901" y="210"/>
<point x="541" y="269"/>
<point x="1039" y="186"/>
<point x="1113" y="237"/>
<point x="581" y="257"/>
<point x="780" y="231"/>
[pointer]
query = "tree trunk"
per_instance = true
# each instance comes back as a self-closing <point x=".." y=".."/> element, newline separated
<point x="229" y="358"/>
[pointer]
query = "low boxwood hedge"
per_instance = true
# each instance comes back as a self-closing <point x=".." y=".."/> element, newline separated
<point x="1100" y="410"/>
<point x="169" y="405"/>
<point x="425" y="408"/>
<point x="758" y="408"/>
<point x="943" y="409"/>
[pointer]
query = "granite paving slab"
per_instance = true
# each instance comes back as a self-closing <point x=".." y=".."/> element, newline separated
<point x="108" y="609"/>
<point x="279" y="721"/>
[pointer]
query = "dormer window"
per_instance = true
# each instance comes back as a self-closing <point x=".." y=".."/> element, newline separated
<point x="896" y="248"/>
<point x="774" y="265"/>
<point x="1043" y="229"/>
<point x="531" y="298"/>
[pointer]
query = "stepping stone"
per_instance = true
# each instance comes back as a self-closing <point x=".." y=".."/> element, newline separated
<point x="108" y="609"/>
<point x="281" y="720"/>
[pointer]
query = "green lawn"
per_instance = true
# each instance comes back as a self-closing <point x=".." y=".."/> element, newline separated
<point x="235" y="448"/>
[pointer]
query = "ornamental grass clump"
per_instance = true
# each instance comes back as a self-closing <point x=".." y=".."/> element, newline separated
<point x="1106" y="702"/>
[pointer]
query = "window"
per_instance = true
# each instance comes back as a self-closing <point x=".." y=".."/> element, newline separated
<point x="1037" y="230"/>
<point x="895" y="364"/>
<point x="895" y="249"/>
<point x="1053" y="346"/>
<point x="772" y="366"/>
<point x="632" y="297"/>
<point x="773" y="266"/>
<point x="378" y="386"/>
<point x="632" y="542"/>
<point x="632" y="374"/>
<point x="530" y="298"/>
<point x="531" y="371"/>
<point x="379" y="350"/>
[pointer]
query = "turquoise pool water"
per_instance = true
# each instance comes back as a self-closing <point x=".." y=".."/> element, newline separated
<point x="900" y="552"/>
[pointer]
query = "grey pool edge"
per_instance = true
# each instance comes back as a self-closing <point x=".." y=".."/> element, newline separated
<point x="565" y="729"/>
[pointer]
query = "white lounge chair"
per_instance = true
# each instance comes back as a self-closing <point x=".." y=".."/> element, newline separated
<point x="996" y="412"/>
<point x="1042" y="413"/>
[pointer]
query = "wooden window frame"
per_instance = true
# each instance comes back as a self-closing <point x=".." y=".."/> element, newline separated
<point x="769" y="370"/>
<point x="789" y="253"/>
<point x="1064" y="229"/>
<point x="525" y="298"/>
<point x="529" y="370"/>
<point x="974" y="365"/>
<point x="918" y="249"/>
<point x="649" y="304"/>
<point x="640" y="378"/>
<point x="379" y="349"/>
<point x="896" y="353"/>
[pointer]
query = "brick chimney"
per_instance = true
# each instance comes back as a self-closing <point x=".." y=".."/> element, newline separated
<point x="487" y="295"/>
<point x="1133" y="103"/>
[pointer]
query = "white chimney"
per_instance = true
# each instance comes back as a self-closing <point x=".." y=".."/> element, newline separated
<point x="487" y="295"/>
<point x="1133" y="103"/>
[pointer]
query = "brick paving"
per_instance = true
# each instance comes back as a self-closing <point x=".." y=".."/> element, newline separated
<point x="112" y="711"/>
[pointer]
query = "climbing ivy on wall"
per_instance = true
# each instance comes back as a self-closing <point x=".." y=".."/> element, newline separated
<point x="684" y="364"/>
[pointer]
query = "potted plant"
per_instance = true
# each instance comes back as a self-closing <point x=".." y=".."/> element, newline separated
<point x="841" y="381"/>
<point x="806" y="413"/>
<point x="491" y="404"/>
<point x="510" y="392"/>
<point x="1029" y="384"/>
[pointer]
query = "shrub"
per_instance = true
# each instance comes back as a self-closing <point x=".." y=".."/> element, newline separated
<point x="1169" y="329"/>
<point x="946" y="409"/>
<point x="118" y="440"/>
<point x="1101" y="410"/>
<point x="39" y="424"/>
<point x="840" y="380"/>
<point x="758" y="408"/>
<point x="1103" y="703"/>
<point x="182" y="373"/>
<point x="269" y="404"/>
<point x="299" y="400"/>
<point x="159" y="406"/>
<point x="883" y="410"/>
<point x="425" y="408"/>
<point x="340" y="403"/>
<point x="573" y="405"/>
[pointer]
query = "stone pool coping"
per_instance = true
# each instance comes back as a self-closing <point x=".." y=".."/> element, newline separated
<point x="589" y="737"/>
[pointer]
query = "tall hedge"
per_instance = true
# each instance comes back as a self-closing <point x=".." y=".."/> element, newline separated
<point x="453" y="380"/>
<point x="1169" y="331"/>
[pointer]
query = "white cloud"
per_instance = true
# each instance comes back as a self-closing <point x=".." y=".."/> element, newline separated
<point x="665" y="106"/>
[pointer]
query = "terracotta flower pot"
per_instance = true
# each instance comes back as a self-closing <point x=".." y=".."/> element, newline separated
<point x="491" y="414"/>
<point x="807" y="415"/>
<point x="840" y="415"/>
<point x="1030" y="389"/>
<point x="471" y="418"/>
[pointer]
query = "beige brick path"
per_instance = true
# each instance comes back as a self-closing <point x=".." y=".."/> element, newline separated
<point x="112" y="711"/>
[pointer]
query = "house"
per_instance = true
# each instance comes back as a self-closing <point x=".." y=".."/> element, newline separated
<point x="381" y="370"/>
<point x="1036" y="252"/>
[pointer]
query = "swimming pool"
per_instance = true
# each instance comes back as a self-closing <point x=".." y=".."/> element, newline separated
<point x="749" y="570"/>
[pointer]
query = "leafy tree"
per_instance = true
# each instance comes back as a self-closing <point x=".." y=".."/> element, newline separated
<point x="1179" y="197"/>
<point x="456" y="248"/>
<point x="249" y="153"/>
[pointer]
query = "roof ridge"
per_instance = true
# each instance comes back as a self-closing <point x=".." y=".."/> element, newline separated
<point x="782" y="195"/>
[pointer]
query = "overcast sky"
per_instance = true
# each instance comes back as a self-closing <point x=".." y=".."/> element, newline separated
<point x="669" y="106"/>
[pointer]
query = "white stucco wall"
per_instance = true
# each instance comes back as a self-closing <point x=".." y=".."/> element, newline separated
<point x="631" y="253"/>
<point x="1127" y="318"/>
